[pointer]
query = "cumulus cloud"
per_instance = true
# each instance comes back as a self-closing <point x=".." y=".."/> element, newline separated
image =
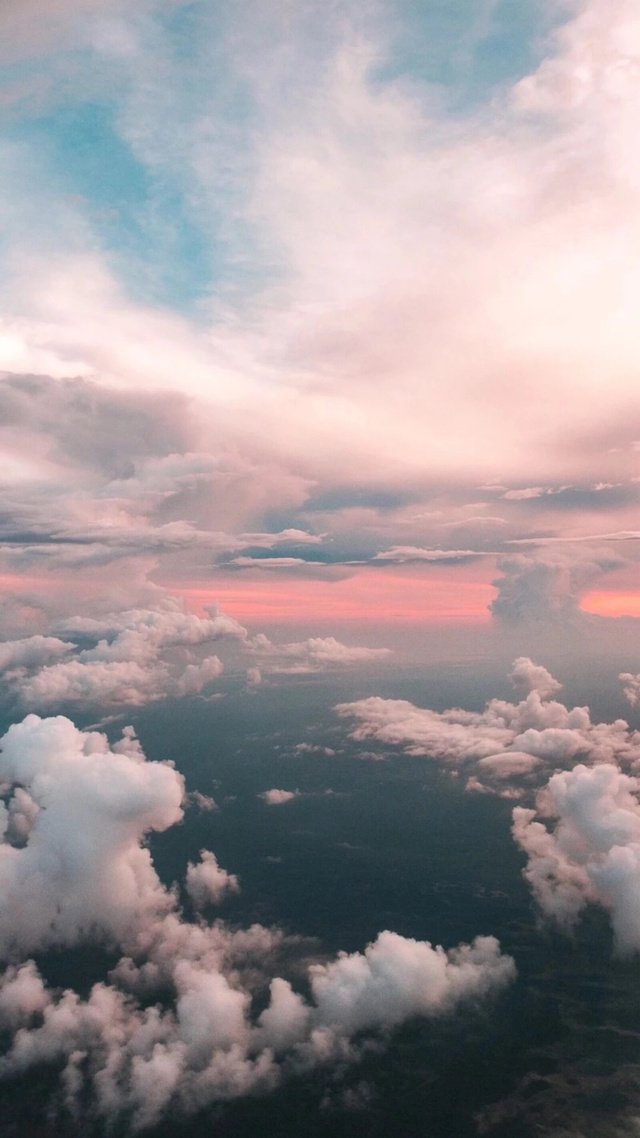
<point x="82" y="870"/>
<point x="631" y="687"/>
<point x="138" y="656"/>
<point x="539" y="589"/>
<point x="503" y="741"/>
<point x="275" y="797"/>
<point x="533" y="677"/>
<point x="172" y="1026"/>
<point x="141" y="655"/>
<point x="31" y="651"/>
<point x="591" y="853"/>
<point x="582" y="838"/>
<point x="207" y="883"/>
<point x="313" y="655"/>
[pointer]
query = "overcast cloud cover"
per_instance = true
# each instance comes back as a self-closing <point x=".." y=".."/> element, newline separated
<point x="321" y="315"/>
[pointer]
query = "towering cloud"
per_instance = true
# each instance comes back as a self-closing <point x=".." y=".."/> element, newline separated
<point x="592" y="851"/>
<point x="546" y="589"/>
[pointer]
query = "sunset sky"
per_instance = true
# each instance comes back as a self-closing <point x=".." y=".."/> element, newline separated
<point x="322" y="310"/>
<point x="319" y="396"/>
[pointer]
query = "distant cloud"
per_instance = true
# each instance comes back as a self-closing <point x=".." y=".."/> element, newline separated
<point x="403" y="553"/>
<point x="542" y="588"/>
<point x="207" y="883"/>
<point x="631" y="687"/>
<point x="131" y="661"/>
<point x="509" y="748"/>
<point x="313" y="655"/>
<point x="278" y="797"/>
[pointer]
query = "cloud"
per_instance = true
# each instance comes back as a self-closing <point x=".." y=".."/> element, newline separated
<point x="404" y="553"/>
<point x="316" y="654"/>
<point x="631" y="687"/>
<point x="172" y="1028"/>
<point x="83" y="871"/>
<point x="536" y="589"/>
<point x="138" y="656"/>
<point x="276" y="797"/>
<point x="304" y="348"/>
<point x="207" y="883"/>
<point x="514" y="743"/>
<point x="533" y="677"/>
<point x="33" y="651"/>
<point x="509" y="763"/>
<point x="132" y="661"/>
<point x="591" y="854"/>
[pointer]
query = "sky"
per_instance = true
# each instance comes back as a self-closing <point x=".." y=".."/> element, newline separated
<point x="322" y="308"/>
<point x="319" y="358"/>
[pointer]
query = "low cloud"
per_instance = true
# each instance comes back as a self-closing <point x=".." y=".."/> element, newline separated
<point x="277" y="797"/>
<point x="207" y="883"/>
<point x="317" y="654"/>
<point x="591" y="853"/>
<point x="631" y="687"/>
<point x="526" y="739"/>
<point x="581" y="834"/>
<point x="137" y="656"/>
<point x="172" y="1027"/>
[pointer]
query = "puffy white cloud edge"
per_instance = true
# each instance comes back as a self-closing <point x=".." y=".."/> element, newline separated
<point x="172" y="1027"/>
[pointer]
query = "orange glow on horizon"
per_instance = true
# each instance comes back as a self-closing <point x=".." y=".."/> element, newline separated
<point x="370" y="595"/>
<point x="603" y="603"/>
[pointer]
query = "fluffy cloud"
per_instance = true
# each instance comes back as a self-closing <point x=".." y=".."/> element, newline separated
<point x="32" y="651"/>
<point x="505" y="740"/>
<point x="138" y="656"/>
<point x="82" y="872"/>
<point x="592" y="851"/>
<point x="533" y="677"/>
<point x="275" y="797"/>
<point x="207" y="883"/>
<point x="535" y="589"/>
<point x="631" y="687"/>
<point x="313" y="655"/>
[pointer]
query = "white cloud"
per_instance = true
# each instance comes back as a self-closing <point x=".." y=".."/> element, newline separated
<point x="505" y="740"/>
<point x="533" y="677"/>
<point x="313" y="655"/>
<point x="207" y="883"/>
<point x="83" y="870"/>
<point x="275" y="797"/>
<point x="403" y="553"/>
<point x="132" y="662"/>
<point x="85" y="873"/>
<point x="591" y="853"/>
